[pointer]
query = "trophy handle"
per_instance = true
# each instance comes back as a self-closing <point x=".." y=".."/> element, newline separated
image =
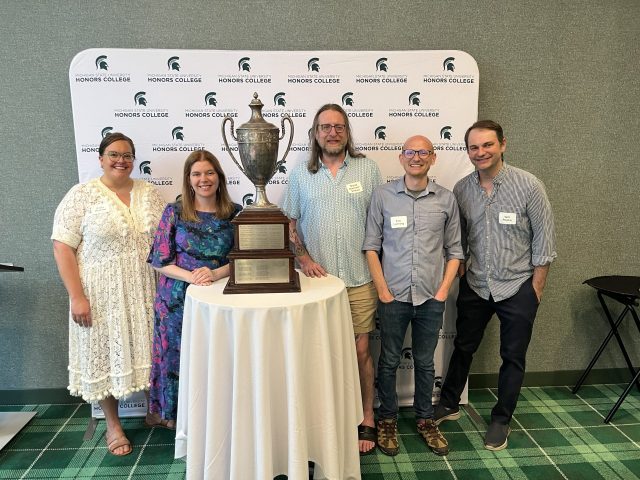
<point x="233" y="135"/>
<point x="284" y="117"/>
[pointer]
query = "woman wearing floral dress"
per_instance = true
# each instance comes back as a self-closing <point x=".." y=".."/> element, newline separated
<point x="102" y="232"/>
<point x="190" y="246"/>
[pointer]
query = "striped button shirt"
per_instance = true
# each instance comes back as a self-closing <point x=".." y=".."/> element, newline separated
<point x="505" y="234"/>
<point x="331" y="214"/>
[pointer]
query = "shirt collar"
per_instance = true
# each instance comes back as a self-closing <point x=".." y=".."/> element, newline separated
<point x="400" y="187"/>
<point x="499" y="178"/>
<point x="347" y="159"/>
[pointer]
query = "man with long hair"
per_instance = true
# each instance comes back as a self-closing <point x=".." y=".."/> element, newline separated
<point x="327" y="201"/>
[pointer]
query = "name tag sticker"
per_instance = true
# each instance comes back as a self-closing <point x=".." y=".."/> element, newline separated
<point x="506" y="218"/>
<point x="355" y="187"/>
<point x="99" y="209"/>
<point x="399" y="222"/>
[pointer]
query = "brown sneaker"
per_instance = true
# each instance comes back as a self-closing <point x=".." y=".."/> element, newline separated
<point x="388" y="436"/>
<point x="432" y="436"/>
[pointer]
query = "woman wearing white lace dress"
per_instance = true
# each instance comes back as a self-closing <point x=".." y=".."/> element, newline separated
<point x="102" y="233"/>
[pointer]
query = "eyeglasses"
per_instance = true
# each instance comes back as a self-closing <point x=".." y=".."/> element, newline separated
<point x="127" y="157"/>
<point x="326" y="127"/>
<point x="409" y="153"/>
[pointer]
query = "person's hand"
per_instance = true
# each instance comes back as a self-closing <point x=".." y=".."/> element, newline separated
<point x="202" y="276"/>
<point x="311" y="268"/>
<point x="386" y="297"/>
<point x="81" y="311"/>
<point x="461" y="270"/>
<point x="440" y="296"/>
<point x="538" y="290"/>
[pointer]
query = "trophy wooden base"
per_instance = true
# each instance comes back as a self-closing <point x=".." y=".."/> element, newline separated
<point x="261" y="261"/>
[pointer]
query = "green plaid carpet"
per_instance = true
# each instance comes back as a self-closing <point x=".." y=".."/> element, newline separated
<point x="555" y="435"/>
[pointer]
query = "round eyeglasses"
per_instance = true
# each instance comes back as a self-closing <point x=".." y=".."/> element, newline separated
<point x="127" y="157"/>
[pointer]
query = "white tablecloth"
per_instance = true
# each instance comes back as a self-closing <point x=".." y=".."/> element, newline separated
<point x="269" y="382"/>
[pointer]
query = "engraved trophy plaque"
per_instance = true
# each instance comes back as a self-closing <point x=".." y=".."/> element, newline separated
<point x="260" y="260"/>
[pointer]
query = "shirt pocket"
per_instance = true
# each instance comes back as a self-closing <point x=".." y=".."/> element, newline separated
<point x="517" y="229"/>
<point x="430" y="221"/>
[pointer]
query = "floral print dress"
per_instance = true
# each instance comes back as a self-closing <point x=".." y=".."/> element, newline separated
<point x="188" y="245"/>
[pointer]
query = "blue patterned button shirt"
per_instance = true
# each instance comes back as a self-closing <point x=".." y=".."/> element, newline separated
<point x="331" y="214"/>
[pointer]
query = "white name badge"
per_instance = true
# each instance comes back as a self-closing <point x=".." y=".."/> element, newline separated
<point x="355" y="187"/>
<point x="506" y="218"/>
<point x="399" y="222"/>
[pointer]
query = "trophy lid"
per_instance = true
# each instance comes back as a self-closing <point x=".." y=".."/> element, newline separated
<point x="257" y="121"/>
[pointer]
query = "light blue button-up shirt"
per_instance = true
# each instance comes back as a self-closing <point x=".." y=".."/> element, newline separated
<point x="331" y="213"/>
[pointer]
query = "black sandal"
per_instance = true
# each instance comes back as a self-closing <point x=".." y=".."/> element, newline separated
<point x="368" y="434"/>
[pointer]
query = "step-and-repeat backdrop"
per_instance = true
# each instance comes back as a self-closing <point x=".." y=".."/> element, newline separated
<point x="172" y="102"/>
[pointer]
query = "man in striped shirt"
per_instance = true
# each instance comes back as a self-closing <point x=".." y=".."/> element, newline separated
<point x="509" y="242"/>
<point x="327" y="200"/>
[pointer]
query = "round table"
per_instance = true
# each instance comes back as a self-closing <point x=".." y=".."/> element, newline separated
<point x="269" y="382"/>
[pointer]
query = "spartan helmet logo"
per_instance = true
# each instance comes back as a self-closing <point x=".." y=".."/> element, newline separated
<point x="445" y="133"/>
<point x="313" y="65"/>
<point x="139" y="99"/>
<point x="210" y="99"/>
<point x="177" y="134"/>
<point x="145" y="167"/>
<point x="106" y="131"/>
<point x="247" y="200"/>
<point x="347" y="99"/>
<point x="437" y="382"/>
<point x="448" y="65"/>
<point x="381" y="65"/>
<point x="279" y="100"/>
<point x="414" y="99"/>
<point x="243" y="64"/>
<point x="101" y="63"/>
<point x="380" y="134"/>
<point x="173" y="64"/>
<point x="406" y="353"/>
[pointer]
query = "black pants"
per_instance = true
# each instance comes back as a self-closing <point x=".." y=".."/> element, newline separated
<point x="516" y="315"/>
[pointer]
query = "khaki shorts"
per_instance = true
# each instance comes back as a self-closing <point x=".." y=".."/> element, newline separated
<point x="363" y="301"/>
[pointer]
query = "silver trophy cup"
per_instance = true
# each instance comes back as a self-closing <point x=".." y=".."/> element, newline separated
<point x="258" y="148"/>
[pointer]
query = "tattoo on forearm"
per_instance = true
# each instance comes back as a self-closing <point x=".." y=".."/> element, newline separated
<point x="296" y="243"/>
<point x="299" y="250"/>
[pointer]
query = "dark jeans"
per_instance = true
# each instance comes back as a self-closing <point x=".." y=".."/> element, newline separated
<point x="426" y="321"/>
<point x="516" y="315"/>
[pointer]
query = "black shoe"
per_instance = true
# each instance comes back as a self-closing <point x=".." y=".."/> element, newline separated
<point x="442" y="413"/>
<point x="496" y="437"/>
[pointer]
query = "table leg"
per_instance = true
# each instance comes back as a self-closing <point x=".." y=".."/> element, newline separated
<point x="614" y="327"/>
<point x="622" y="397"/>
<point x="614" y="330"/>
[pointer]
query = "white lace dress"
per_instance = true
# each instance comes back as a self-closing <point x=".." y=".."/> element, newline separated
<point x="112" y="242"/>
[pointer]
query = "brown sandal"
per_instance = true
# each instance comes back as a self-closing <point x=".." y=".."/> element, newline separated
<point x="154" y="420"/>
<point x="121" y="441"/>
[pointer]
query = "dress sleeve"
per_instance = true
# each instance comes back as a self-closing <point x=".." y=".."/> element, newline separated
<point x="155" y="205"/>
<point x="163" y="250"/>
<point x="67" y="221"/>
